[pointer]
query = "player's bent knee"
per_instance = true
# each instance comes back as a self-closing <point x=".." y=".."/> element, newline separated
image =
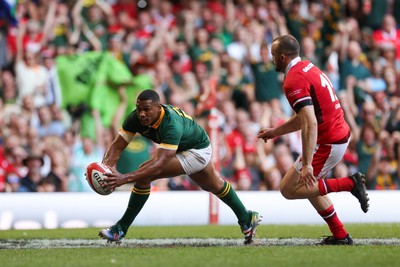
<point x="286" y="193"/>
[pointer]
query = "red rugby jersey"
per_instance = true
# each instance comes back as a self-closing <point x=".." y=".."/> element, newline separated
<point x="306" y="84"/>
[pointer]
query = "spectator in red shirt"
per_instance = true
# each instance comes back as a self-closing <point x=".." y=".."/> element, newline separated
<point x="7" y="168"/>
<point x="388" y="35"/>
<point x="33" y="39"/>
<point x="126" y="13"/>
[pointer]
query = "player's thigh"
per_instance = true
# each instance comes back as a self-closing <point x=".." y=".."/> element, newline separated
<point x="290" y="181"/>
<point x="171" y="169"/>
<point x="208" y="179"/>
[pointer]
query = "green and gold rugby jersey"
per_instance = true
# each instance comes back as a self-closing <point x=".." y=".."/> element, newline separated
<point x="174" y="130"/>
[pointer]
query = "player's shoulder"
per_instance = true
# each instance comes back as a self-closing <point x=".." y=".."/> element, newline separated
<point x="303" y="66"/>
<point x="168" y="110"/>
<point x="303" y="69"/>
<point x="295" y="73"/>
<point x="169" y="116"/>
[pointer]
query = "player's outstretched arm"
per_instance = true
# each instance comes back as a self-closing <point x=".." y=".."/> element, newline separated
<point x="291" y="125"/>
<point x="114" y="151"/>
<point x="153" y="169"/>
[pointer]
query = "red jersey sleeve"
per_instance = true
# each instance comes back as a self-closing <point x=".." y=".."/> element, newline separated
<point x="297" y="91"/>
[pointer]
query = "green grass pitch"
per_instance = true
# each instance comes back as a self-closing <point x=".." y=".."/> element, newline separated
<point x="213" y="245"/>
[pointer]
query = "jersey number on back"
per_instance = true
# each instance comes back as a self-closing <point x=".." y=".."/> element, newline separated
<point x="182" y="113"/>
<point x="325" y="82"/>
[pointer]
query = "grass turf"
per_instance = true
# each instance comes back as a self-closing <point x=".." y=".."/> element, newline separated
<point x="360" y="255"/>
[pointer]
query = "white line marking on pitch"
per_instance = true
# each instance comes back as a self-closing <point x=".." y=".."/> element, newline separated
<point x="176" y="242"/>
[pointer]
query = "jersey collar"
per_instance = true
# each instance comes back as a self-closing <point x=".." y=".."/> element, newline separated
<point x="158" y="122"/>
<point x="291" y="64"/>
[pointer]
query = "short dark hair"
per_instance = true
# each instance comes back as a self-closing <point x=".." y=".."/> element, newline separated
<point x="149" y="94"/>
<point x="287" y="44"/>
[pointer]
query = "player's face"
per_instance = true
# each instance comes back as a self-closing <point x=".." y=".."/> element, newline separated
<point x="148" y="112"/>
<point x="277" y="58"/>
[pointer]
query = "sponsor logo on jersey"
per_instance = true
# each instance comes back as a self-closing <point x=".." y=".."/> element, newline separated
<point x="295" y="92"/>
<point x="308" y="67"/>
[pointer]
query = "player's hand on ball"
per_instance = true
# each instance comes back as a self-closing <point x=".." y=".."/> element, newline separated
<point x="114" y="179"/>
<point x="95" y="175"/>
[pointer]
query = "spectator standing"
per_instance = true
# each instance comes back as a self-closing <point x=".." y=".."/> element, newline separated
<point x="295" y="22"/>
<point x="92" y="21"/>
<point x="200" y="50"/>
<point x="352" y="65"/>
<point x="266" y="79"/>
<point x="237" y="86"/>
<point x="53" y="88"/>
<point x="56" y="27"/>
<point x="30" y="75"/>
<point x="275" y="22"/>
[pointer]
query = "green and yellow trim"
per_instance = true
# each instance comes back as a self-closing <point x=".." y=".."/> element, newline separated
<point x="141" y="191"/>
<point x="128" y="136"/>
<point x="168" y="146"/>
<point x="158" y="122"/>
<point x="225" y="191"/>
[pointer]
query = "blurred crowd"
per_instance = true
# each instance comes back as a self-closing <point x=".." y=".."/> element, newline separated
<point x="197" y="54"/>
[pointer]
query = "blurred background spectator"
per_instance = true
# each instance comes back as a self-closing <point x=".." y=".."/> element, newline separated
<point x="70" y="70"/>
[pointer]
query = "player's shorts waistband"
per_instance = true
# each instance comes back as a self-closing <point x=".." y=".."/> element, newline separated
<point x="344" y="140"/>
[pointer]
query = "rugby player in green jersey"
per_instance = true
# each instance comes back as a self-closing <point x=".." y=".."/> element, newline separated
<point x="184" y="148"/>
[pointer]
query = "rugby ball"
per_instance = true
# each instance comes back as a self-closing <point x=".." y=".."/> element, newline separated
<point x="95" y="175"/>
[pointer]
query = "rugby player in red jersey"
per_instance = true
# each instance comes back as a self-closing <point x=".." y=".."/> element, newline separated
<point x="325" y="136"/>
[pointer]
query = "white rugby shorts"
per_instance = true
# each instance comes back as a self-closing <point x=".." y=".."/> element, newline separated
<point x="194" y="160"/>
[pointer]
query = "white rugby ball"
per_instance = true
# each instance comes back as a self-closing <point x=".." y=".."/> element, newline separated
<point x="95" y="175"/>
